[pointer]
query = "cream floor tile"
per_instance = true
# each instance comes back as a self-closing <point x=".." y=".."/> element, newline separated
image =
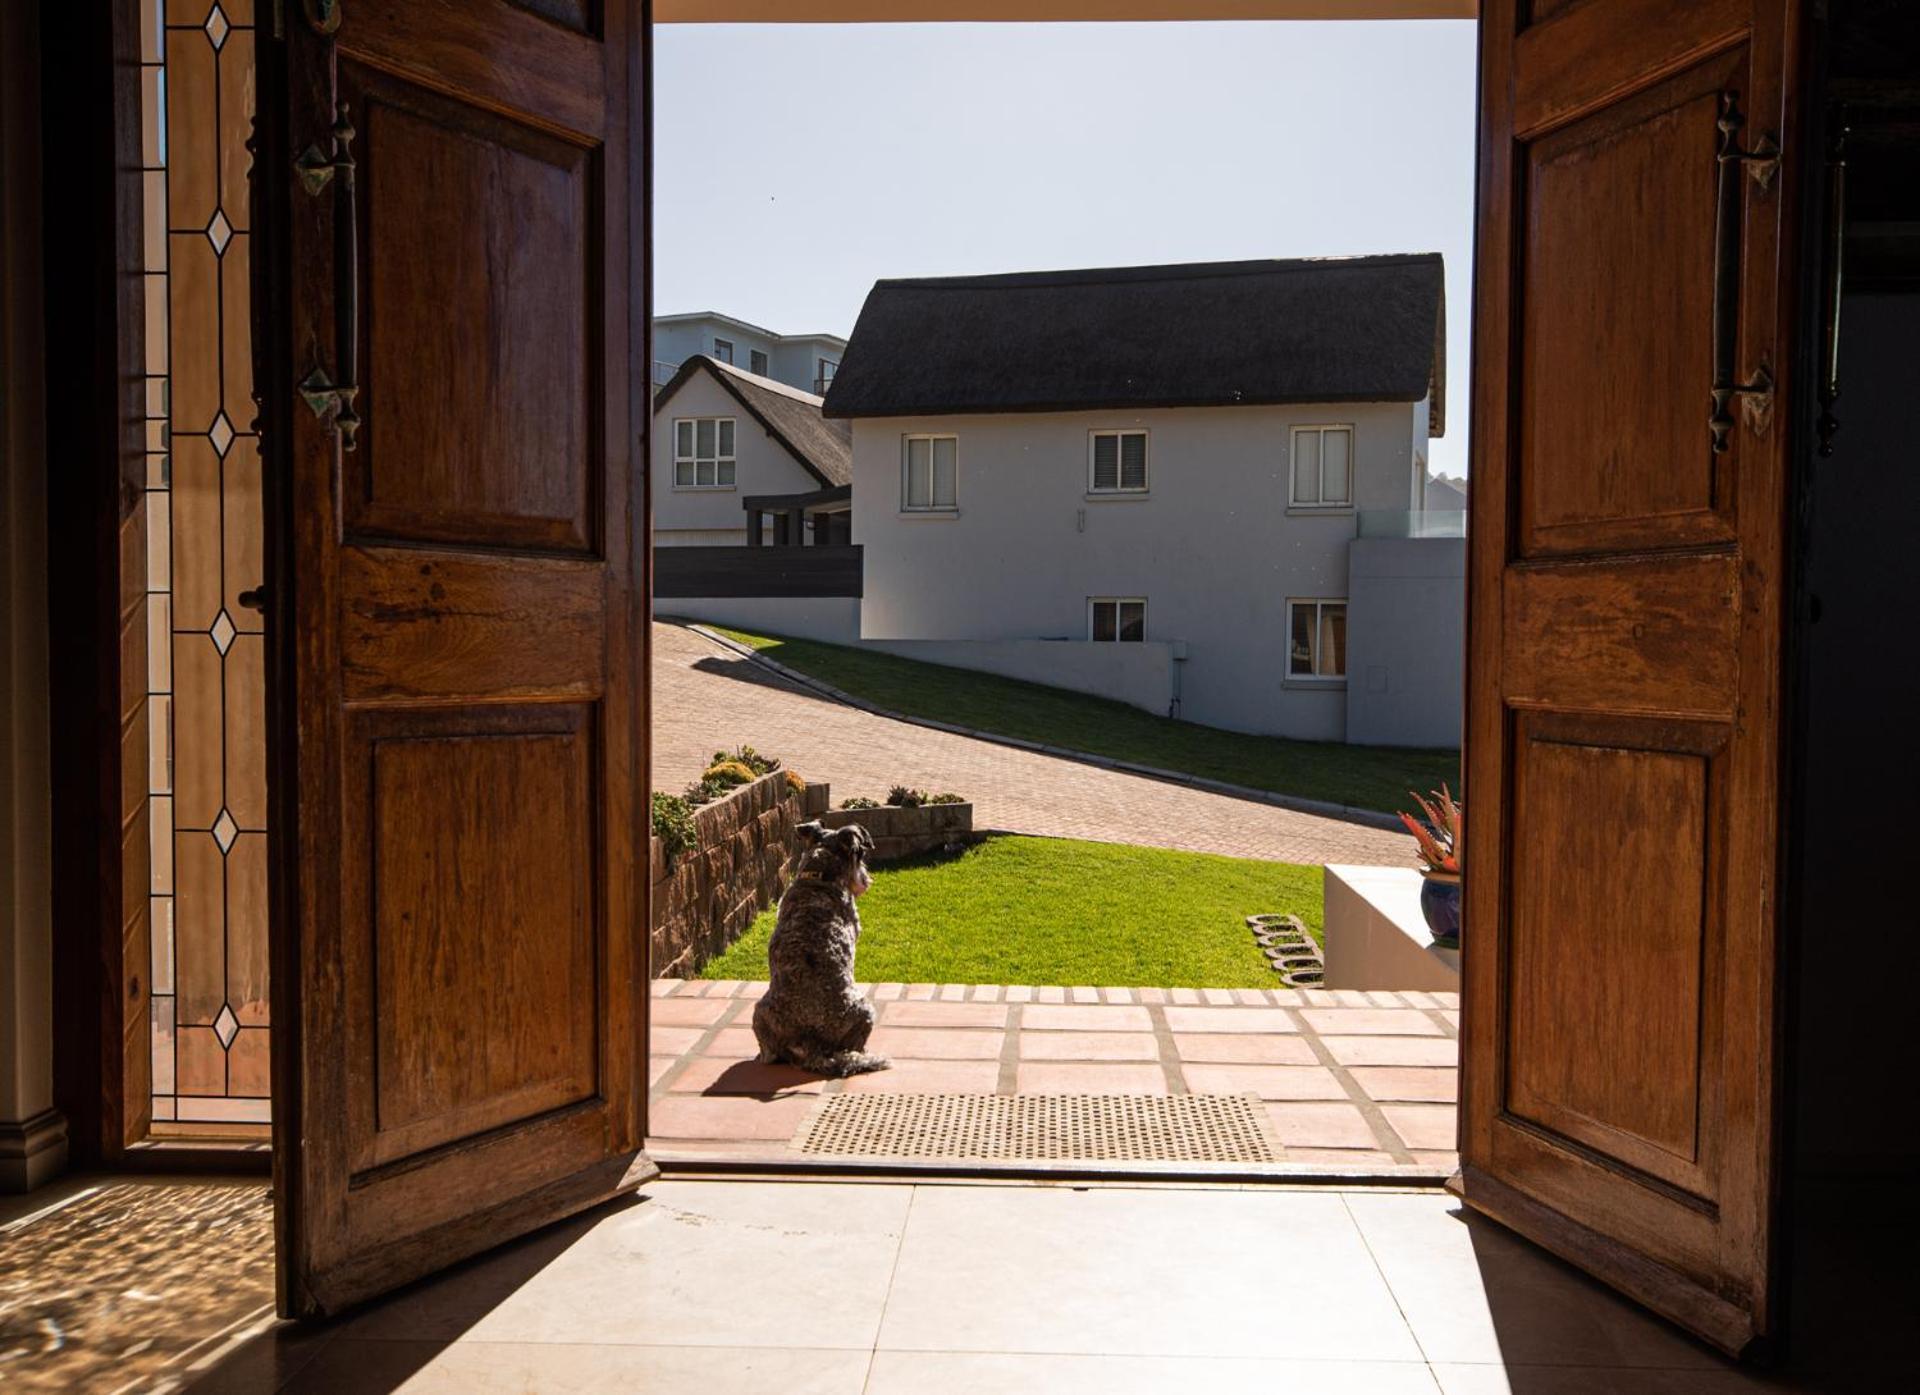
<point x="351" y="1367"/>
<point x="1458" y="1379"/>
<point x="997" y="1373"/>
<point x="1121" y="1272"/>
<point x="1474" y="1292"/>
<point x="690" y="1263"/>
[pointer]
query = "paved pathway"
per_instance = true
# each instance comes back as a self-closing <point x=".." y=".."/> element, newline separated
<point x="706" y="697"/>
<point x="1361" y="1083"/>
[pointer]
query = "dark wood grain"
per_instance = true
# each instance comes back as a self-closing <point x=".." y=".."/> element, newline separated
<point x="462" y="890"/>
<point x="1625" y="603"/>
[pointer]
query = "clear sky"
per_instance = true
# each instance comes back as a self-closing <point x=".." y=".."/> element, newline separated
<point x="797" y="164"/>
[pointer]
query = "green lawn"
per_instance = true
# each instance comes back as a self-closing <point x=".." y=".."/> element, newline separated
<point x="1364" y="777"/>
<point x="1058" y="911"/>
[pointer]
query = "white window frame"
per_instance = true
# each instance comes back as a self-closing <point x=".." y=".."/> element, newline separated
<point x="1094" y="602"/>
<point x="1317" y="604"/>
<point x="730" y="459"/>
<point x="1146" y="459"/>
<point x="723" y="349"/>
<point x="932" y="505"/>
<point x="1294" y="501"/>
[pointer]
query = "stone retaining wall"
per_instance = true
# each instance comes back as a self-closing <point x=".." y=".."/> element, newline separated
<point x="744" y="849"/>
<point x="899" y="833"/>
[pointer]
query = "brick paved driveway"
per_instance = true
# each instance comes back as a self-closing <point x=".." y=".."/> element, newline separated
<point x="706" y="696"/>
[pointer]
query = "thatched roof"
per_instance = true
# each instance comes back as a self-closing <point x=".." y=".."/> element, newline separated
<point x="1205" y="334"/>
<point x="790" y="416"/>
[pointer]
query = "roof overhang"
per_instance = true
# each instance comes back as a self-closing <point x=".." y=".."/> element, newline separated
<point x="1041" y="11"/>
<point x="832" y="499"/>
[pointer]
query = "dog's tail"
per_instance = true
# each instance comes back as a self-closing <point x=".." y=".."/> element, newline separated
<point x="847" y="1063"/>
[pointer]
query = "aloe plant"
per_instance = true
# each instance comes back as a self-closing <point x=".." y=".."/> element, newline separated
<point x="1437" y="839"/>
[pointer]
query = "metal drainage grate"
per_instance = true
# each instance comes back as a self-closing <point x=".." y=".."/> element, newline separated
<point x="1042" y="1128"/>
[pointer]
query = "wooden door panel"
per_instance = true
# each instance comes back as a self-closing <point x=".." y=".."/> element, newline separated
<point x="463" y="946"/>
<point x="1624" y="689"/>
<point x="442" y="282"/>
<point x="424" y="624"/>
<point x="1614" y="939"/>
<point x="1618" y="635"/>
<point x="479" y="941"/>
<point x="1616" y="345"/>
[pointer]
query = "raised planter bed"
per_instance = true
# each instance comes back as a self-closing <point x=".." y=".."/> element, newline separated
<point x="743" y="853"/>
<point x="899" y="833"/>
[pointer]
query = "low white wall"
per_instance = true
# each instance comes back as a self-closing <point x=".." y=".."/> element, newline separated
<point x="1140" y="675"/>
<point x="1406" y="640"/>
<point x="829" y="619"/>
<point x="1376" y="935"/>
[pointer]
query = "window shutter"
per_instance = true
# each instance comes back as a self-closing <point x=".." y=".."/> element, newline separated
<point x="1106" y="461"/>
<point x="1133" y="460"/>
<point x="1306" y="467"/>
<point x="945" y="483"/>
<point x="1337" y="448"/>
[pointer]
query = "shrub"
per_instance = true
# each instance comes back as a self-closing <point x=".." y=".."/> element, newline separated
<point x="729" y="773"/>
<point x="706" y="791"/>
<point x="904" y="797"/>
<point x="859" y="801"/>
<point x="795" y="783"/>
<point x="672" y="824"/>
<point x="747" y="756"/>
<point x="948" y="797"/>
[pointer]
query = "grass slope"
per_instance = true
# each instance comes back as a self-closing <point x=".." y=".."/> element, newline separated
<point x="1059" y="911"/>
<point x="1364" y="777"/>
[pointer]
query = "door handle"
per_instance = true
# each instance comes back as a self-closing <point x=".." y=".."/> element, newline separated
<point x="1835" y="279"/>
<point x="254" y="598"/>
<point x="1761" y="163"/>
<point x="333" y="402"/>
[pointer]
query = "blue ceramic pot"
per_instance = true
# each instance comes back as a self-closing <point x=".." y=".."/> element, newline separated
<point x="1440" y="904"/>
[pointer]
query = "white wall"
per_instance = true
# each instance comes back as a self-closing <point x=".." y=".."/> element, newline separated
<point x="714" y="516"/>
<point x="1214" y="547"/>
<point x="829" y="619"/>
<point x="1406" y="640"/>
<point x="1141" y="675"/>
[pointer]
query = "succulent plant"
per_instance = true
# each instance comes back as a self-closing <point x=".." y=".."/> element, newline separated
<point x="1437" y="839"/>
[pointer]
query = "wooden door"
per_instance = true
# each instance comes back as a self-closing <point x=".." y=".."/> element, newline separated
<point x="458" y="601"/>
<point x="1624" y="676"/>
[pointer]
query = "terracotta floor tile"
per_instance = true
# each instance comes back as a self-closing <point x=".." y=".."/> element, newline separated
<point x="717" y="1075"/>
<point x="1229" y="1019"/>
<point x="689" y="1012"/>
<point x="726" y="1116"/>
<point x="658" y="1066"/>
<point x="1381" y="1022"/>
<point x="1103" y="1078"/>
<point x="1254" y="1048"/>
<point x="1449" y="1160"/>
<point x="736" y="1042"/>
<point x="1393" y="1051"/>
<point x="1088" y="1046"/>
<point x="929" y="1077"/>
<point x="672" y="1041"/>
<point x="943" y="1015"/>
<point x="1427" y="1126"/>
<point x="1428" y="1084"/>
<point x="1320" y="1126"/>
<point x="929" y="1043"/>
<point x="660" y="987"/>
<point x="1269" y="1082"/>
<point x="1084" y="1017"/>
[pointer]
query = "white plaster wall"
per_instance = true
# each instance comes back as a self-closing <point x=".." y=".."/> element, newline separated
<point x="1406" y="640"/>
<point x="1213" y="547"/>
<point x="829" y="619"/>
<point x="709" y="516"/>
<point x="1141" y="675"/>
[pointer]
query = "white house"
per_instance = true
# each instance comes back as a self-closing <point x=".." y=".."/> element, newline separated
<point x="732" y="450"/>
<point x="1165" y="484"/>
<point x="804" y="361"/>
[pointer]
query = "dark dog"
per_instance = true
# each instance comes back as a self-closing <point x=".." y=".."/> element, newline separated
<point x="812" y="1016"/>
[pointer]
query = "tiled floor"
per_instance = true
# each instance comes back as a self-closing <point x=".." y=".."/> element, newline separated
<point x="1354" y="1082"/>
<point x="707" y="696"/>
<point x="820" y="1288"/>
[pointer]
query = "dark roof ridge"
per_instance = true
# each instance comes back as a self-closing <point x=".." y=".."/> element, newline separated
<point x="1168" y="271"/>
